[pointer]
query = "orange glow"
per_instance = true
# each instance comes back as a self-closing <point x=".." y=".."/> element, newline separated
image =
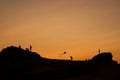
<point x="79" y="27"/>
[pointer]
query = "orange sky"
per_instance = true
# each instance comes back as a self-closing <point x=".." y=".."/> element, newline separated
<point x="79" y="27"/>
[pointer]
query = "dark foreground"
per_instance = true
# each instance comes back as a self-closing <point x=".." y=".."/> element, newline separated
<point x="17" y="63"/>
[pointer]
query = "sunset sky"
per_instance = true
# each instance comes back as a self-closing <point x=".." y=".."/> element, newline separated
<point x="79" y="27"/>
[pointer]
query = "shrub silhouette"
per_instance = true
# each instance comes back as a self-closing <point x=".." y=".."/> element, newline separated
<point x="103" y="58"/>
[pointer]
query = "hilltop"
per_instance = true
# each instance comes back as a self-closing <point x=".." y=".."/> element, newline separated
<point x="17" y="62"/>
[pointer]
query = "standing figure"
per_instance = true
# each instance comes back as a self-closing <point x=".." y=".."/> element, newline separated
<point x="99" y="51"/>
<point x="30" y="48"/>
<point x="71" y="58"/>
<point x="19" y="47"/>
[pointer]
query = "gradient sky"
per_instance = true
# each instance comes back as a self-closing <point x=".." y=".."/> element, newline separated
<point x="79" y="27"/>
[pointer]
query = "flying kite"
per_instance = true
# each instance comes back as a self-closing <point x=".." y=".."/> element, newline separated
<point x="64" y="52"/>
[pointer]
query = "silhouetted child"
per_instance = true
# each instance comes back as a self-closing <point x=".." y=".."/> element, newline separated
<point x="19" y="47"/>
<point x="99" y="51"/>
<point x="71" y="57"/>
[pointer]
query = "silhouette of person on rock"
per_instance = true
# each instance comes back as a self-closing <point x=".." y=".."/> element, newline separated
<point x="30" y="48"/>
<point x="71" y="58"/>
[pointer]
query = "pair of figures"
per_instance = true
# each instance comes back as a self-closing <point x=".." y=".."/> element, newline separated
<point x="30" y="48"/>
